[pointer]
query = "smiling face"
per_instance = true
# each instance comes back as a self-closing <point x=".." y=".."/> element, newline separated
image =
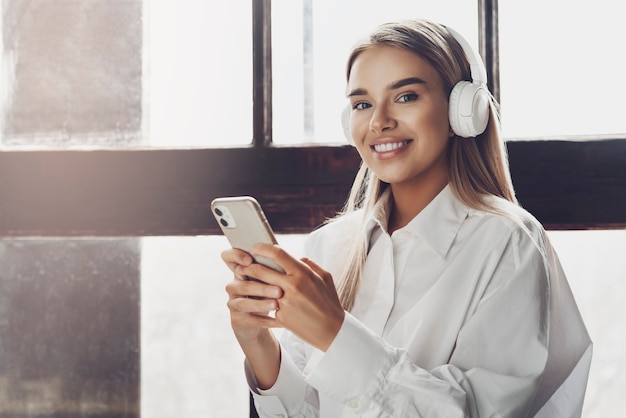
<point x="399" y="118"/>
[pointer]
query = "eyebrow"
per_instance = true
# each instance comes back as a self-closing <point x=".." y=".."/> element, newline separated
<point x="395" y="85"/>
<point x="406" y="82"/>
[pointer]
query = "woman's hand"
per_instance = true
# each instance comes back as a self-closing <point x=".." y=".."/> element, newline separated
<point x="249" y="300"/>
<point x="309" y="305"/>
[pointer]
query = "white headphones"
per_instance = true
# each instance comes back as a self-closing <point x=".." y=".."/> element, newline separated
<point x="468" y="102"/>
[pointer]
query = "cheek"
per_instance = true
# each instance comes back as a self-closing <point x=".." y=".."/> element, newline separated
<point x="438" y="119"/>
<point x="358" y="127"/>
<point x="445" y="115"/>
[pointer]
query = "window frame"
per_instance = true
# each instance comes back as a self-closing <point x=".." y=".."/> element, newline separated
<point x="161" y="192"/>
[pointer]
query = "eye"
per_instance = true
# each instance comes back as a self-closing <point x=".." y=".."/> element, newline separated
<point x="407" y="97"/>
<point x="361" y="106"/>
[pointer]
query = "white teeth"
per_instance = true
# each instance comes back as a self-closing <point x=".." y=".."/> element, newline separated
<point x="389" y="146"/>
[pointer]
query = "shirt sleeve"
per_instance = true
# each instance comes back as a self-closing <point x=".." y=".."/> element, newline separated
<point x="494" y="370"/>
<point x="290" y="396"/>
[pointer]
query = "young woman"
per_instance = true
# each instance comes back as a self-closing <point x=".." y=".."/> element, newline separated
<point x="434" y="294"/>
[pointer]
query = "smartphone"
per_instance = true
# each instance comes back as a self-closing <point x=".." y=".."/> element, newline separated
<point x="244" y="224"/>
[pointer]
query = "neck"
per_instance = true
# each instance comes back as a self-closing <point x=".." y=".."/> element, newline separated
<point x="409" y="201"/>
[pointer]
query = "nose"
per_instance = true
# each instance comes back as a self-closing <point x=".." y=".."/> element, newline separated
<point x="381" y="120"/>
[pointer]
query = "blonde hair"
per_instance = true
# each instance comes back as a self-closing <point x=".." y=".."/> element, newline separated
<point x="477" y="167"/>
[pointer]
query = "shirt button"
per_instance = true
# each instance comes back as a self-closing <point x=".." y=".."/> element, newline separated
<point x="354" y="404"/>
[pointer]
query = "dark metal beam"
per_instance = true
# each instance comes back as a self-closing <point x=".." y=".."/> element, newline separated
<point x="262" y="72"/>
<point x="572" y="184"/>
<point x="566" y="185"/>
<point x="489" y="47"/>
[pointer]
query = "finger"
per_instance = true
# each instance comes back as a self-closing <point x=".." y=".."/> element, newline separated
<point x="252" y="288"/>
<point x="252" y="306"/>
<point x="279" y="255"/>
<point x="261" y="273"/>
<point x="325" y="275"/>
<point x="233" y="257"/>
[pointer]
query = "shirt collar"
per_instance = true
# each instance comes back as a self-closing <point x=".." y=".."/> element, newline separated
<point x="437" y="224"/>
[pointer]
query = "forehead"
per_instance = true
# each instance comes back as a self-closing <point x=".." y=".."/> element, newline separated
<point x="384" y="64"/>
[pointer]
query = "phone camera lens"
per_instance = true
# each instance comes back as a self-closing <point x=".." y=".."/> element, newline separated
<point x="224" y="222"/>
<point x="218" y="212"/>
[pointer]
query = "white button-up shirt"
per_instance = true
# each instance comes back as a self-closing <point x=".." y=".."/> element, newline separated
<point x="460" y="313"/>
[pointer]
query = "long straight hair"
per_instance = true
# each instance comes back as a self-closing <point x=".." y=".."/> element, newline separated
<point x="477" y="167"/>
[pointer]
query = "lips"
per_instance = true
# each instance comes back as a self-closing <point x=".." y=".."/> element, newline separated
<point x="389" y="146"/>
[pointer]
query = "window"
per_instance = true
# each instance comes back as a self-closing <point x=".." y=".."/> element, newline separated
<point x="561" y="77"/>
<point x="69" y="327"/>
<point x="198" y="73"/>
<point x="310" y="43"/>
<point x="106" y="176"/>
<point x="71" y="73"/>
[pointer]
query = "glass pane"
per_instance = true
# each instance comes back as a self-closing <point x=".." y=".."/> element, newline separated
<point x="125" y="73"/>
<point x="191" y="364"/>
<point x="69" y="328"/>
<point x="311" y="42"/>
<point x="596" y="268"/>
<point x="71" y="73"/>
<point x="198" y="57"/>
<point x="562" y="65"/>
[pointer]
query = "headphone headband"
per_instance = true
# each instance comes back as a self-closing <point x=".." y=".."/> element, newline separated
<point x="477" y="68"/>
<point x="469" y="101"/>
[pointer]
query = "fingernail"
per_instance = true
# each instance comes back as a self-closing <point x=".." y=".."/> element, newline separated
<point x="247" y="260"/>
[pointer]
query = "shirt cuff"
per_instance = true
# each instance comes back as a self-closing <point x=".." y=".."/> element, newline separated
<point x="287" y="394"/>
<point x="354" y="367"/>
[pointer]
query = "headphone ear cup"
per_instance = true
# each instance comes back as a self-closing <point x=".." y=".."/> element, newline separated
<point x="468" y="109"/>
<point x="345" y="124"/>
